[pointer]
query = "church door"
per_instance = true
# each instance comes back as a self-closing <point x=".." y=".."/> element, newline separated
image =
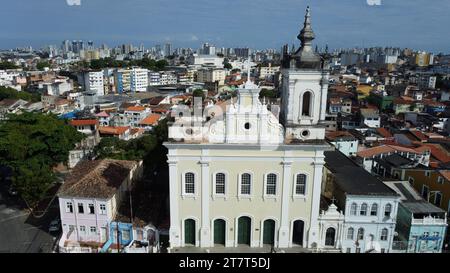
<point x="244" y="230"/>
<point x="219" y="232"/>
<point x="329" y="237"/>
<point x="189" y="232"/>
<point x="269" y="232"/>
<point x="297" y="232"/>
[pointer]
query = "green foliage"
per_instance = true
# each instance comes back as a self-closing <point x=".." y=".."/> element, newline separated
<point x="10" y="93"/>
<point x="267" y="93"/>
<point x="235" y="70"/>
<point x="42" y="65"/>
<point x="227" y="66"/>
<point x="7" y="65"/>
<point x="135" y="149"/>
<point x="31" y="144"/>
<point x="199" y="93"/>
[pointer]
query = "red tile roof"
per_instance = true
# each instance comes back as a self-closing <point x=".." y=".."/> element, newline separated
<point x="136" y="108"/>
<point x="83" y="122"/>
<point x="384" y="132"/>
<point x="110" y="130"/>
<point x="151" y="119"/>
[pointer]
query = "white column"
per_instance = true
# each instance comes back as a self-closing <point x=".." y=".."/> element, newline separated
<point x="283" y="234"/>
<point x="205" y="232"/>
<point x="174" y="231"/>
<point x="324" y="91"/>
<point x="313" y="236"/>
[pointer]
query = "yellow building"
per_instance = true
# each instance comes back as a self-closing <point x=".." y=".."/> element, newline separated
<point x="243" y="176"/>
<point x="433" y="184"/>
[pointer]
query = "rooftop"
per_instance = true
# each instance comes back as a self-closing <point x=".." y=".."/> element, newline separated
<point x="83" y="122"/>
<point x="353" y="179"/>
<point x="96" y="179"/>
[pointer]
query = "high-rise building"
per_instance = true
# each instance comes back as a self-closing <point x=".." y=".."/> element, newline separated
<point x="167" y="49"/>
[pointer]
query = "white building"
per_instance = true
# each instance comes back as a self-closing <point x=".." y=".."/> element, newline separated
<point x="92" y="81"/>
<point x="205" y="60"/>
<point x="237" y="178"/>
<point x="139" y="80"/>
<point x="211" y="75"/>
<point x="90" y="197"/>
<point x="154" y="78"/>
<point x="369" y="208"/>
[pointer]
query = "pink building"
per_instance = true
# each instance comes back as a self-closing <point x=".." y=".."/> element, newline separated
<point x="90" y="197"/>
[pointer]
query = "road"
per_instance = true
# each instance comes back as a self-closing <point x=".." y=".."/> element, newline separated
<point x="22" y="233"/>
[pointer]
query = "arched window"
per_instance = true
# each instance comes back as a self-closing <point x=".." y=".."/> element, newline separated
<point x="189" y="183"/>
<point x="271" y="184"/>
<point x="350" y="233"/>
<point x="300" y="184"/>
<point x="306" y="104"/>
<point x="374" y="210"/>
<point x="353" y="209"/>
<point x="363" y="210"/>
<point x="387" y="210"/>
<point x="384" y="234"/>
<point x="246" y="183"/>
<point x="360" y="234"/>
<point x="220" y="183"/>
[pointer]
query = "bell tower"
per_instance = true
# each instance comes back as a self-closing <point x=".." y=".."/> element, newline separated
<point x="304" y="89"/>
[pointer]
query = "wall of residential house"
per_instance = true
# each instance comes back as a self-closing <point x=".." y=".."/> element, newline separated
<point x="420" y="179"/>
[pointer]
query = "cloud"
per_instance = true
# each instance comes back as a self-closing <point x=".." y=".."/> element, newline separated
<point x="194" y="38"/>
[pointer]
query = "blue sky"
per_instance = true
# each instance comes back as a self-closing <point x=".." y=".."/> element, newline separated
<point x="419" y="24"/>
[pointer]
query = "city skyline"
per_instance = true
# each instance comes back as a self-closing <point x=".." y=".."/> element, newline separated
<point x="258" y="24"/>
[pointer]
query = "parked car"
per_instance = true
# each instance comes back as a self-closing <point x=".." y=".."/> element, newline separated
<point x="54" y="226"/>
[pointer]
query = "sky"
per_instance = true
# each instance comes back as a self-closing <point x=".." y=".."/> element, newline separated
<point x="417" y="24"/>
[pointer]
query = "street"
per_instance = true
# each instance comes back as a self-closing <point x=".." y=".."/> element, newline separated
<point x="20" y="232"/>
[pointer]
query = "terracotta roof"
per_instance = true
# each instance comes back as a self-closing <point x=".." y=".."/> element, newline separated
<point x="102" y="115"/>
<point x="389" y="149"/>
<point x="445" y="174"/>
<point x="339" y="135"/>
<point x="152" y="119"/>
<point x="82" y="122"/>
<point x="96" y="179"/>
<point x="137" y="131"/>
<point x="384" y="132"/>
<point x="136" y="108"/>
<point x="111" y="130"/>
<point x="438" y="152"/>
<point x="418" y="134"/>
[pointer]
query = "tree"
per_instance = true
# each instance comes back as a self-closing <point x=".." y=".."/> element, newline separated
<point x="7" y="65"/>
<point x="32" y="144"/>
<point x="227" y="66"/>
<point x="42" y="65"/>
<point x="10" y="93"/>
<point x="235" y="70"/>
<point x="267" y="93"/>
<point x="199" y="93"/>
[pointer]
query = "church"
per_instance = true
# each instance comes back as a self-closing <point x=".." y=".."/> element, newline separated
<point x="244" y="173"/>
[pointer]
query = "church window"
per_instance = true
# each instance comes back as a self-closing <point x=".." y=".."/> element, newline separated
<point x="246" y="184"/>
<point x="271" y="184"/>
<point x="353" y="209"/>
<point x="384" y="234"/>
<point x="300" y="184"/>
<point x="350" y="233"/>
<point x="306" y="104"/>
<point x="247" y="125"/>
<point x="374" y="210"/>
<point x="363" y="210"/>
<point x="189" y="183"/>
<point x="360" y="234"/>
<point x="387" y="210"/>
<point x="220" y="183"/>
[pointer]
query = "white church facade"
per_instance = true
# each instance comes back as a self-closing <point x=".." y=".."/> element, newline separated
<point x="241" y="175"/>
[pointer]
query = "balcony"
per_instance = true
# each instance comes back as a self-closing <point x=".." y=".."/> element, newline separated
<point x="429" y="220"/>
